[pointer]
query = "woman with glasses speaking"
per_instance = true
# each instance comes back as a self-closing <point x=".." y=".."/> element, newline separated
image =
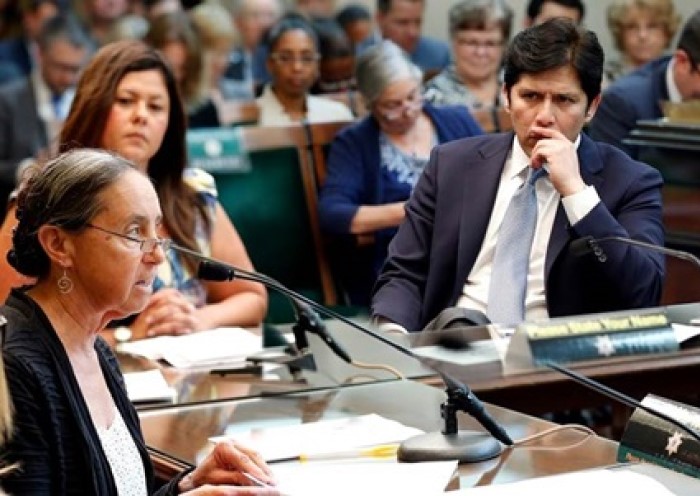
<point x="88" y="231"/>
<point x="293" y="64"/>
<point x="374" y="164"/>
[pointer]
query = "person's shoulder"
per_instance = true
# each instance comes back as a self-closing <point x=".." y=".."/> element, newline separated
<point x="329" y="109"/>
<point x="620" y="163"/>
<point x="428" y="45"/>
<point x="200" y="181"/>
<point x="14" y="87"/>
<point x="630" y="84"/>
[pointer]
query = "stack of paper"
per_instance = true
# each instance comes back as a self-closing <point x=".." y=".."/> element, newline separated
<point x="325" y="436"/>
<point x="223" y="346"/>
<point x="147" y="386"/>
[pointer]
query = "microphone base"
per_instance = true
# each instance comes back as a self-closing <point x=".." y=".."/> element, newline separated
<point x="464" y="446"/>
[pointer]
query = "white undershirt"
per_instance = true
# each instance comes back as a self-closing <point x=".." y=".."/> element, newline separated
<point x="476" y="289"/>
<point x="124" y="459"/>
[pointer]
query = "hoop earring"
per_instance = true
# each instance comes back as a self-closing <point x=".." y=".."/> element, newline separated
<point x="65" y="285"/>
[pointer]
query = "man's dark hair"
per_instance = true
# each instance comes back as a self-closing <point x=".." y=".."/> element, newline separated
<point x="535" y="7"/>
<point x="384" y="6"/>
<point x="352" y="13"/>
<point x="552" y="44"/>
<point x="689" y="40"/>
<point x="64" y="27"/>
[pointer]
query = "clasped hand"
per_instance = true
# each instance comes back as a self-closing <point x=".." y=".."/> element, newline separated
<point x="168" y="312"/>
<point x="559" y="153"/>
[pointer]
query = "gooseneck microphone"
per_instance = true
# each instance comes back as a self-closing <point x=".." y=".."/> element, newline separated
<point x="588" y="244"/>
<point x="213" y="270"/>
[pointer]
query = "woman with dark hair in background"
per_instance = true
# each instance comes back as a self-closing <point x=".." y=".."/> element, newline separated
<point x="293" y="64"/>
<point x="127" y="102"/>
<point x="374" y="163"/>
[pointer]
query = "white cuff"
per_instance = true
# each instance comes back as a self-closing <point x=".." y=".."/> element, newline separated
<point x="578" y="205"/>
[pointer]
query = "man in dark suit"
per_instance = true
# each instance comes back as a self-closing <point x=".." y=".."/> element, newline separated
<point x="446" y="251"/>
<point x="32" y="108"/>
<point x="17" y="54"/>
<point x="640" y="94"/>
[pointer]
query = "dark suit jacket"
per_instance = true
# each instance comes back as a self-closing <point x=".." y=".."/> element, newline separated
<point x="631" y="98"/>
<point x="14" y="59"/>
<point x="446" y="219"/>
<point x="22" y="132"/>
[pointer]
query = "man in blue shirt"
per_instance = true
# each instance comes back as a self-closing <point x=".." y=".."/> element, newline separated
<point x="400" y="21"/>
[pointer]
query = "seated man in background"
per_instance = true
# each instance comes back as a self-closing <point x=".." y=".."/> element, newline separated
<point x="489" y="224"/>
<point x="401" y="21"/>
<point x="32" y="109"/>
<point x="639" y="95"/>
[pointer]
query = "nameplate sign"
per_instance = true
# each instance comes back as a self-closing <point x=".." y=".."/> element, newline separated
<point x="590" y="337"/>
<point x="217" y="150"/>
<point x="650" y="439"/>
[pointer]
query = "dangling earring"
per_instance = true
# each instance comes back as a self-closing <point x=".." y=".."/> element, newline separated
<point x="65" y="285"/>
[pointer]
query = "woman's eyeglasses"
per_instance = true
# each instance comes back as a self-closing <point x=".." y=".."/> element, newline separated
<point x="288" y="58"/>
<point x="146" y="245"/>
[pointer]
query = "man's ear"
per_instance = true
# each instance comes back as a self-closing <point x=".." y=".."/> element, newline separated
<point x="593" y="107"/>
<point x="506" y="98"/>
<point x="57" y="245"/>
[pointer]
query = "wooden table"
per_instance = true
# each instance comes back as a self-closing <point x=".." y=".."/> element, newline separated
<point x="178" y="435"/>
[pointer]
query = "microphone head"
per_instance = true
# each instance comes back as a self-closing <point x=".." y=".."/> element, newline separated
<point x="212" y="271"/>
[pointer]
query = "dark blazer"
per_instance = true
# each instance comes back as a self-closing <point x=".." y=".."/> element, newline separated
<point x="55" y="441"/>
<point x="631" y="98"/>
<point x="15" y="59"/>
<point x="22" y="132"/>
<point x="446" y="219"/>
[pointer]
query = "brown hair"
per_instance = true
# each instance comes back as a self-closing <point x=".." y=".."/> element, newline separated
<point x="88" y="115"/>
<point x="662" y="11"/>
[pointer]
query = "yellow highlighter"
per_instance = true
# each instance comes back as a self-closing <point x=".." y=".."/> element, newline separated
<point x="379" y="451"/>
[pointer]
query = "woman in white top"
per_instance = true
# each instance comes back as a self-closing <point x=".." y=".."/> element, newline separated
<point x="293" y="66"/>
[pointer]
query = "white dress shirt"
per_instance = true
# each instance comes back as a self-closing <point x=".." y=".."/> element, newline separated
<point x="577" y="206"/>
<point x="318" y="109"/>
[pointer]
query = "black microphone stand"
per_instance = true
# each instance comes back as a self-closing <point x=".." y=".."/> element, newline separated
<point x="450" y="443"/>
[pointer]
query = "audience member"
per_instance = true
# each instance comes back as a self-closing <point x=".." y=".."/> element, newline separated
<point x="640" y="94"/>
<point x="218" y="36"/>
<point x="100" y="15"/>
<point x="176" y="38"/>
<point x="32" y="108"/>
<point x="337" y="63"/>
<point x="88" y="232"/>
<point x="253" y="18"/>
<point x="18" y="55"/>
<point x="373" y="165"/>
<point x="642" y="31"/>
<point x="489" y="224"/>
<point x="479" y="30"/>
<point x="139" y="115"/>
<point x="401" y="21"/>
<point x="539" y="11"/>
<point x="356" y="21"/>
<point x="292" y="61"/>
<point x="128" y="27"/>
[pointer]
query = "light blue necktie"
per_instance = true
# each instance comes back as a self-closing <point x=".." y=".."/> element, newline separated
<point x="506" y="303"/>
<point x="56" y="104"/>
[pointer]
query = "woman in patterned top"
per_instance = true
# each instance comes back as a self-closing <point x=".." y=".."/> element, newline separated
<point x="479" y="30"/>
<point x="374" y="163"/>
<point x="127" y="101"/>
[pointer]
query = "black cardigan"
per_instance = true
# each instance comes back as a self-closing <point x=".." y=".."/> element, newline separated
<point x="54" y="440"/>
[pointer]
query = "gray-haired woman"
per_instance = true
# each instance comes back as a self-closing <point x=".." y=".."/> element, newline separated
<point x="374" y="164"/>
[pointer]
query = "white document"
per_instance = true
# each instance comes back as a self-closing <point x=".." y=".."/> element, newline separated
<point x="583" y="483"/>
<point x="325" y="436"/>
<point x="225" y="345"/>
<point x="149" y="385"/>
<point x="363" y="477"/>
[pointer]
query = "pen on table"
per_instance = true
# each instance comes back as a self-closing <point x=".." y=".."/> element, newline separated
<point x="379" y="451"/>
